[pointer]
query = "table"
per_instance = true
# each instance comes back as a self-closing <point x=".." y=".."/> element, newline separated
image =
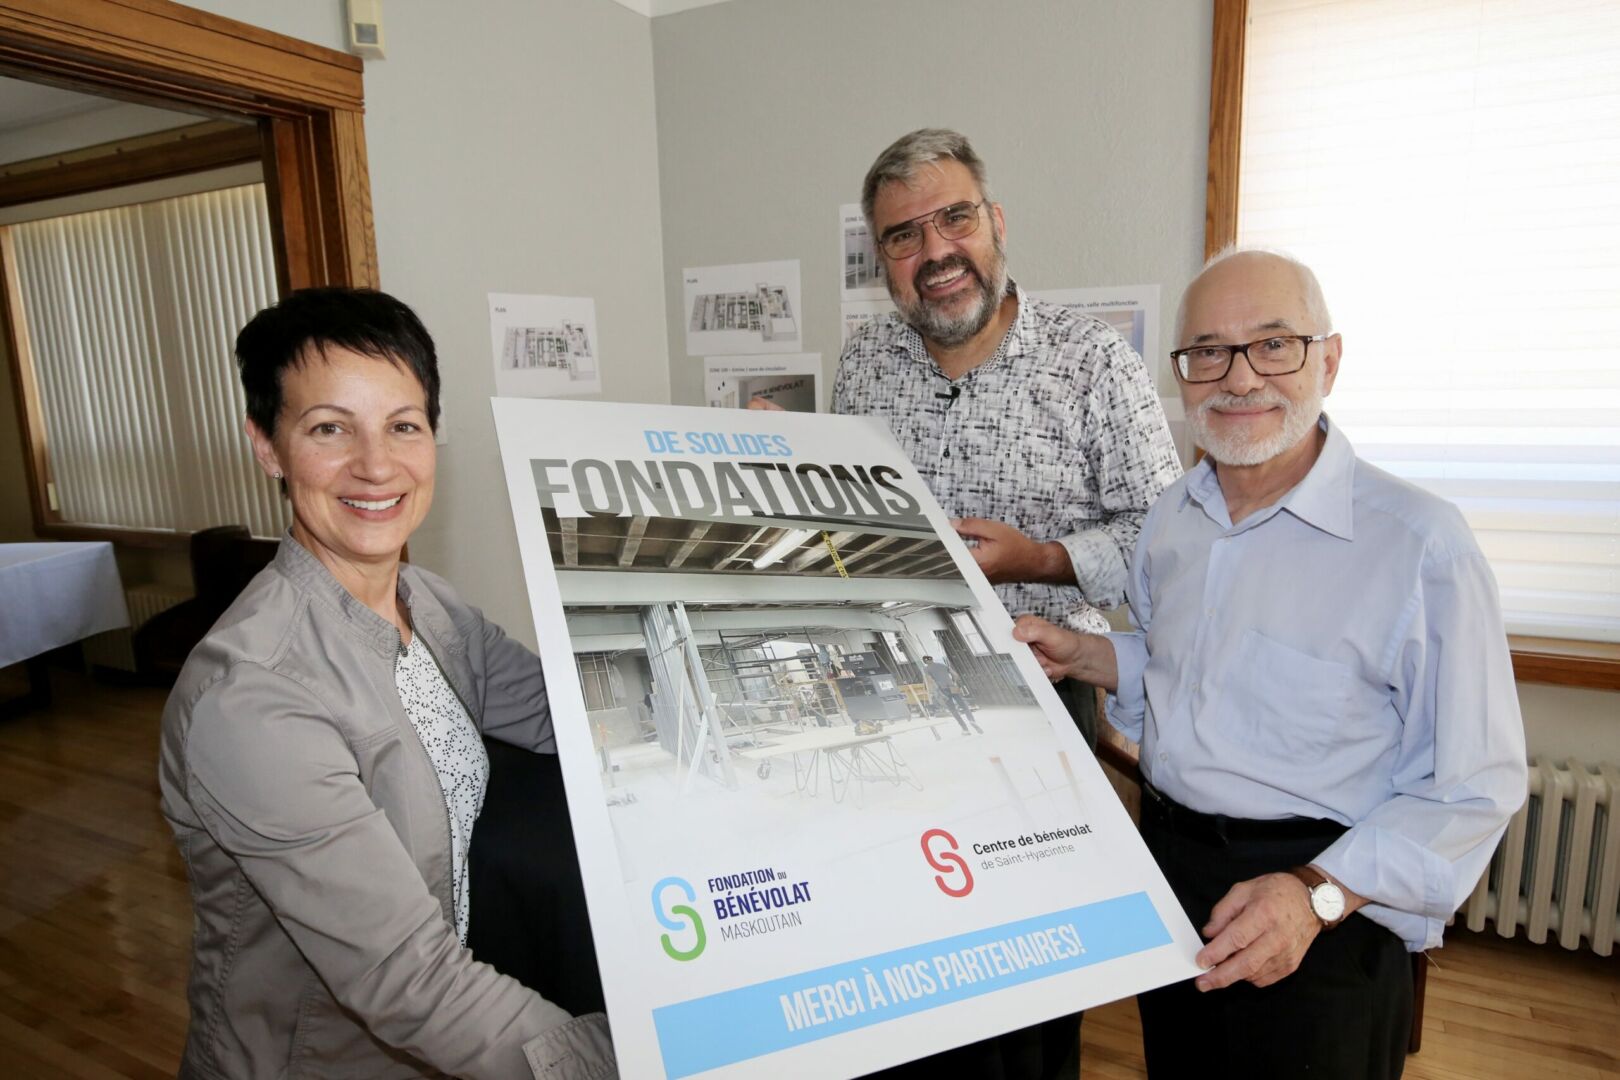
<point x="53" y="594"/>
<point x="845" y="757"/>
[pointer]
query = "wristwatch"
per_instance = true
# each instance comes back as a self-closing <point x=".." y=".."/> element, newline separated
<point x="1327" y="899"/>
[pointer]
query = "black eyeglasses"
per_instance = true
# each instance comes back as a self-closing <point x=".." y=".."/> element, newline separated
<point x="952" y="222"/>
<point x="1280" y="354"/>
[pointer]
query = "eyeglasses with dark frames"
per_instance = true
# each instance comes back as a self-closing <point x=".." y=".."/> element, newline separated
<point x="1279" y="354"/>
<point x="953" y="222"/>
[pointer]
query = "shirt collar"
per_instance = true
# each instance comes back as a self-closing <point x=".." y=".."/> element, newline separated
<point x="1021" y="336"/>
<point x="1323" y="499"/>
<point x="301" y="566"/>
<point x="426" y="612"/>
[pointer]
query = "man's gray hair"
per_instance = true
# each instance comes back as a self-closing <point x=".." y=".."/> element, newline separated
<point x="1315" y="303"/>
<point x="908" y="154"/>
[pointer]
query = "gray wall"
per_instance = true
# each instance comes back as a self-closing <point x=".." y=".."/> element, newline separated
<point x="512" y="147"/>
<point x="1092" y="117"/>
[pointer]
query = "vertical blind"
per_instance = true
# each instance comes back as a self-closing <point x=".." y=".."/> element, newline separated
<point x="1451" y="170"/>
<point x="131" y="314"/>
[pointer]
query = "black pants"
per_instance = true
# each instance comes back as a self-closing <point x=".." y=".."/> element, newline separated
<point x="1345" y="1013"/>
<point x="1048" y="1051"/>
<point x="527" y="915"/>
<point x="1081" y="701"/>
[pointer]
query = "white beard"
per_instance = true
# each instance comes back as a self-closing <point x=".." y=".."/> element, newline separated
<point x="1299" y="417"/>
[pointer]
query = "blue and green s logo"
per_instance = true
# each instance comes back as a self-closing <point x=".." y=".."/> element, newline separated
<point x="690" y="913"/>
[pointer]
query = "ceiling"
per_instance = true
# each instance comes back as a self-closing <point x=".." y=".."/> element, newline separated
<point x="682" y="545"/>
<point x="654" y="8"/>
<point x="28" y="104"/>
<point x="24" y="103"/>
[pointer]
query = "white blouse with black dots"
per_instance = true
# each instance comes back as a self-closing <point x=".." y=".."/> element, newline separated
<point x="452" y="742"/>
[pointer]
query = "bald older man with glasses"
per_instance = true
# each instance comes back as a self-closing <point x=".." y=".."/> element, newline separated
<point x="1321" y="685"/>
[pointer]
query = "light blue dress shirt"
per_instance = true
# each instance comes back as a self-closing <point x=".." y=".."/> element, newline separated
<point x="1339" y="654"/>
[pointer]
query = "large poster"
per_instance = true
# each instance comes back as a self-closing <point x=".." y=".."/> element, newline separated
<point x="830" y="816"/>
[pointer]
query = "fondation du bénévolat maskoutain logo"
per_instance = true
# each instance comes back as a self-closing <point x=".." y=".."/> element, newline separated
<point x="746" y="904"/>
<point x="693" y="924"/>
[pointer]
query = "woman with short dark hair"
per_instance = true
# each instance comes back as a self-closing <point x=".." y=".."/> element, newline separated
<point x="321" y="759"/>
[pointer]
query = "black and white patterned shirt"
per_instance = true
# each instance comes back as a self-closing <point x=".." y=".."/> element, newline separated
<point x="1060" y="434"/>
<point x="451" y="740"/>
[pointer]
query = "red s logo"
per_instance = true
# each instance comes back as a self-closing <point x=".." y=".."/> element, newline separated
<point x="947" y="861"/>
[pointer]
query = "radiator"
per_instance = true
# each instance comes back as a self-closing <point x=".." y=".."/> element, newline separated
<point x="116" y="648"/>
<point x="1557" y="869"/>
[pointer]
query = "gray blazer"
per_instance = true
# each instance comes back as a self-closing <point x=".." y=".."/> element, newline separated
<point x="317" y="843"/>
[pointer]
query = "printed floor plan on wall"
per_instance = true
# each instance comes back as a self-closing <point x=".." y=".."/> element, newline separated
<point x="766" y="310"/>
<point x="566" y="348"/>
<point x="741" y="309"/>
<point x="544" y="345"/>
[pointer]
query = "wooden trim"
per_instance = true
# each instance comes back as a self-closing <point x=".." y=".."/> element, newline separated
<point x="309" y="98"/>
<point x="307" y="102"/>
<point x="345" y="169"/>
<point x="159" y="539"/>
<point x="1225" y="124"/>
<point x="30" y="418"/>
<point x="116" y="165"/>
<point x="1594" y="665"/>
<point x="167" y="52"/>
<point x="1121" y="760"/>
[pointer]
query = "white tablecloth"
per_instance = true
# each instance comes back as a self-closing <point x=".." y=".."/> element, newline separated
<point x="54" y="594"/>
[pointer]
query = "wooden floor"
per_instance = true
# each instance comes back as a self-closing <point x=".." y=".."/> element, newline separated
<point x="95" y="927"/>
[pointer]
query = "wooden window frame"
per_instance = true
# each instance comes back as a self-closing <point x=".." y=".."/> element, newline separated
<point x="179" y="151"/>
<point x="306" y="101"/>
<point x="1588" y="664"/>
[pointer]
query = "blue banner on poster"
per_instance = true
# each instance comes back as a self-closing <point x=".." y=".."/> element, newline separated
<point x="736" y="1025"/>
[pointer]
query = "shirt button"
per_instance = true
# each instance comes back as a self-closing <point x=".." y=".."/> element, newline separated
<point x="1210" y="613"/>
<point x="1163" y="756"/>
<point x="1195" y="688"/>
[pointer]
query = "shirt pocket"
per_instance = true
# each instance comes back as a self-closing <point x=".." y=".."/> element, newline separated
<point x="1284" y="703"/>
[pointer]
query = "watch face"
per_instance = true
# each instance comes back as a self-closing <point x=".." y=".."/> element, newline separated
<point x="1328" y="902"/>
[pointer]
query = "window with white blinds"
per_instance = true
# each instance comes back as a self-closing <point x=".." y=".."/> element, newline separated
<point x="1451" y="170"/>
<point x="131" y="314"/>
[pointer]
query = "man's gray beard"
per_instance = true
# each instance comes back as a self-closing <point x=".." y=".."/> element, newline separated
<point x="1298" y="420"/>
<point x="938" y="328"/>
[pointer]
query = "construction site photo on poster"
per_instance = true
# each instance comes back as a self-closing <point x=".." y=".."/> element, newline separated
<point x="830" y="816"/>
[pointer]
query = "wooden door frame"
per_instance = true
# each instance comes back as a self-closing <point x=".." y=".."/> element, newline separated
<point x="307" y="100"/>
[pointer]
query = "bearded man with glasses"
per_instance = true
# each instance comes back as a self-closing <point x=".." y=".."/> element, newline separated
<point x="1038" y="429"/>
<point x="1321" y="685"/>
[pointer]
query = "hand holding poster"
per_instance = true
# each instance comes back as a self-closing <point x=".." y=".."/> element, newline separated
<point x="830" y="817"/>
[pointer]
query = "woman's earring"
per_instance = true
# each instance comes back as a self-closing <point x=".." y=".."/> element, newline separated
<point x="275" y="476"/>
